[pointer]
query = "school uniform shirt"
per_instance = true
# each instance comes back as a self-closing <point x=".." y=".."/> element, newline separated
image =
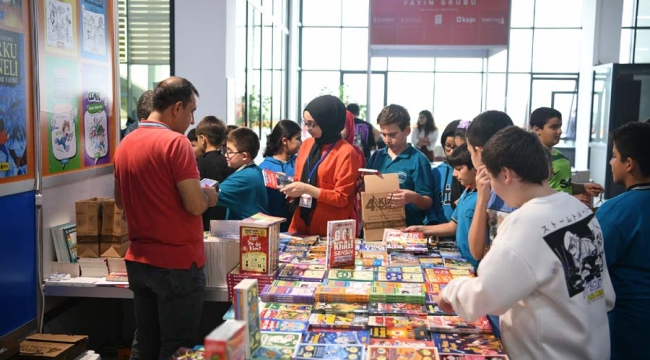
<point x="243" y="193"/>
<point x="561" y="179"/>
<point x="462" y="216"/>
<point x="625" y="221"/>
<point x="546" y="276"/>
<point x="213" y="165"/>
<point x="442" y="180"/>
<point x="414" y="172"/>
<point x="497" y="210"/>
<point x="278" y="205"/>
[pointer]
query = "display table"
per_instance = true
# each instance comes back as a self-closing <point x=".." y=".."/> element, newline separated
<point x="219" y="293"/>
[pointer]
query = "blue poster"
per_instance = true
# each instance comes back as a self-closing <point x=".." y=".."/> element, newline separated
<point x="93" y="29"/>
<point x="13" y="122"/>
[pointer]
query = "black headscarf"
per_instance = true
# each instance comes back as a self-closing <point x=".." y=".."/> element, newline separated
<point x="329" y="113"/>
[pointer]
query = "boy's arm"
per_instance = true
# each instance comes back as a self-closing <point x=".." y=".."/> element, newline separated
<point x="592" y="189"/>
<point x="478" y="228"/>
<point x="446" y="229"/>
<point x="493" y="291"/>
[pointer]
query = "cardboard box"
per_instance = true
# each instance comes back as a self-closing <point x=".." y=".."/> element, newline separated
<point x="49" y="346"/>
<point x="88" y="246"/>
<point x="89" y="216"/>
<point x="113" y="219"/>
<point x="114" y="246"/>
<point x="376" y="211"/>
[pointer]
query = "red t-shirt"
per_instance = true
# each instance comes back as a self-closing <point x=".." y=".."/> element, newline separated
<point x="148" y="165"/>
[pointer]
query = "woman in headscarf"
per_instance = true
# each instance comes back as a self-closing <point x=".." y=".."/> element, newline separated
<point x="327" y="170"/>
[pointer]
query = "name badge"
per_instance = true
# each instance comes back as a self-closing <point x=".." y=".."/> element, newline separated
<point x="305" y="201"/>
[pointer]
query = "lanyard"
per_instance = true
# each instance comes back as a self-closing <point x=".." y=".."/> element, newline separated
<point x="153" y="124"/>
<point x="311" y="173"/>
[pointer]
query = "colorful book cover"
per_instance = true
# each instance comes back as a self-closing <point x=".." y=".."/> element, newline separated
<point x="432" y="262"/>
<point x="329" y="351"/>
<point x="255" y="249"/>
<point x="246" y="306"/>
<point x="286" y="307"/>
<point x="414" y="321"/>
<point x="340" y="308"/>
<point x="276" y="180"/>
<point x="397" y="309"/>
<point x="303" y="284"/>
<point x="289" y="294"/>
<point x="302" y="239"/>
<point x="333" y="321"/>
<point x="284" y="315"/>
<point x="404" y="333"/>
<point x="478" y="344"/>
<point x="184" y="353"/>
<point x="455" y="324"/>
<point x="400" y="277"/>
<point x="228" y="341"/>
<point x="401" y="352"/>
<point x="284" y="325"/>
<point x="277" y="346"/>
<point x="458" y="264"/>
<point x="401" y="342"/>
<point x="341" y="243"/>
<point x="434" y="288"/>
<point x="96" y="113"/>
<point x="434" y="309"/>
<point x="310" y="260"/>
<point x="300" y="272"/>
<point x="337" y="337"/>
<point x="471" y="357"/>
<point x="399" y="269"/>
<point x="357" y="275"/>
<point x="396" y="258"/>
<point x="70" y="236"/>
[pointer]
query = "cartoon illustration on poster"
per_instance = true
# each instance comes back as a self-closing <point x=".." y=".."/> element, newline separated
<point x="63" y="126"/>
<point x="11" y="13"/>
<point x="13" y="122"/>
<point x="96" y="104"/>
<point x="93" y="29"/>
<point x="60" y="25"/>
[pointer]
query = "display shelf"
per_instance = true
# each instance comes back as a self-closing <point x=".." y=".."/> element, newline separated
<point x="219" y="293"/>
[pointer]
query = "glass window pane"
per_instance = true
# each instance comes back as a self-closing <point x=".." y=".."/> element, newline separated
<point x="498" y="62"/>
<point x="628" y="13"/>
<point x="256" y="39"/>
<point x="496" y="92"/>
<point x="557" y="50"/>
<point x="518" y="98"/>
<point x="265" y="103"/>
<point x="279" y="48"/>
<point x="459" y="64"/>
<point x="268" y="47"/>
<point x="278" y="96"/>
<point x="355" y="12"/>
<point x="321" y="13"/>
<point x="377" y="93"/>
<point x="410" y="64"/>
<point x="520" y="50"/>
<point x="354" y="49"/>
<point x="457" y="96"/>
<point x="627" y="39"/>
<point x="643" y="18"/>
<point x="379" y="63"/>
<point x="254" y="93"/>
<point x="355" y="88"/>
<point x="522" y="13"/>
<point x="316" y="83"/>
<point x="558" y="13"/>
<point x="542" y="92"/>
<point x="642" y="50"/>
<point x="418" y="95"/>
<point x="313" y="54"/>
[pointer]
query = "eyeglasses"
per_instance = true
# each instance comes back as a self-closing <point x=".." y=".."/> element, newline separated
<point x="450" y="147"/>
<point x="310" y="124"/>
<point x="229" y="154"/>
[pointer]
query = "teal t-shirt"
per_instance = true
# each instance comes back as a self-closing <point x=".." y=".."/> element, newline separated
<point x="244" y="193"/>
<point x="462" y="216"/>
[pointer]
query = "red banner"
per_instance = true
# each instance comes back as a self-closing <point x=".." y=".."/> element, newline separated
<point x="440" y="22"/>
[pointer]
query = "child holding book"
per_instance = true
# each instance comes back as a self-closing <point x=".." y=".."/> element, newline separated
<point x="243" y="193"/>
<point x="282" y="145"/>
<point x="461" y="219"/>
<point x="545" y="272"/>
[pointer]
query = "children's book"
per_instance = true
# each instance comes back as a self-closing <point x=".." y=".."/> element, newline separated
<point x="400" y="277"/>
<point x="397" y="309"/>
<point x="402" y="333"/>
<point x="305" y="284"/>
<point x="288" y="294"/>
<point x="228" y="341"/>
<point x="458" y="264"/>
<point x="246" y="304"/>
<point x="398" y="321"/>
<point x="455" y="324"/>
<point x="356" y="275"/>
<point x="302" y="239"/>
<point x="276" y="180"/>
<point x="401" y="352"/>
<point x="352" y="294"/>
<point x="341" y="243"/>
<point x="284" y="325"/>
<point x="397" y="258"/>
<point x="277" y="345"/>
<point x="332" y="321"/>
<point x="284" y="315"/>
<point x="434" y="309"/>
<point x="285" y="307"/>
<point x="340" y="308"/>
<point x="299" y="272"/>
<point x="479" y="344"/>
<point x="329" y="351"/>
<point x="337" y="337"/>
<point x="401" y="342"/>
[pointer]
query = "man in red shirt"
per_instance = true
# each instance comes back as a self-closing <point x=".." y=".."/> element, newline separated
<point x="157" y="184"/>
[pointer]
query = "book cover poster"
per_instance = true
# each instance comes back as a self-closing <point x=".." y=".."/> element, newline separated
<point x="95" y="109"/>
<point x="13" y="121"/>
<point x="62" y="134"/>
<point x="93" y="29"/>
<point x="60" y="24"/>
<point x="11" y="14"/>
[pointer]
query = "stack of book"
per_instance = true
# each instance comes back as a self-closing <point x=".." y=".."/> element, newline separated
<point x="343" y="292"/>
<point x="228" y="341"/>
<point x="391" y="292"/>
<point x="64" y="239"/>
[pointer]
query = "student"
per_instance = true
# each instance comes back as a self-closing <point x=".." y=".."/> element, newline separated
<point x="447" y="186"/>
<point x="425" y="135"/>
<point x="414" y="169"/>
<point x="461" y="130"/>
<point x="365" y="134"/>
<point x="282" y="145"/>
<point x="143" y="109"/>
<point x="461" y="220"/>
<point x="210" y="133"/>
<point x="547" y="124"/>
<point x="545" y="273"/>
<point x="243" y="192"/>
<point x="194" y="140"/>
<point x="625" y="222"/>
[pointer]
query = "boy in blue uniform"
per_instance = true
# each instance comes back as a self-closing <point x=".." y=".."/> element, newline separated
<point x="413" y="168"/>
<point x="461" y="219"/>
<point x="243" y="192"/>
<point x="446" y="187"/>
<point x="625" y="222"/>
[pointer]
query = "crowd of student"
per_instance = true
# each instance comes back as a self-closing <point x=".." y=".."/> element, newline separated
<point x="543" y="259"/>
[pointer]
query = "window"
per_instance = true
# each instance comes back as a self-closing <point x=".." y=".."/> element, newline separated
<point x="635" y="34"/>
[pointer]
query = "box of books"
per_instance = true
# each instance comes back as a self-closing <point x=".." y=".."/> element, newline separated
<point x="88" y="215"/>
<point x="235" y="276"/>
<point x="377" y="211"/>
<point x="340" y="243"/>
<point x="246" y="304"/>
<point x="228" y="341"/>
<point x="259" y="240"/>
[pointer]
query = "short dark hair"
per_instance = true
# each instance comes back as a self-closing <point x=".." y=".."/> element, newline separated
<point x="461" y="156"/>
<point x="541" y="116"/>
<point x="518" y="150"/>
<point x="191" y="135"/>
<point x="213" y="129"/>
<point x="283" y="129"/>
<point x="394" y="114"/>
<point x="145" y="105"/>
<point x="170" y="91"/>
<point x="245" y="140"/>
<point x="631" y="142"/>
<point x="354" y="109"/>
<point x="485" y="125"/>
